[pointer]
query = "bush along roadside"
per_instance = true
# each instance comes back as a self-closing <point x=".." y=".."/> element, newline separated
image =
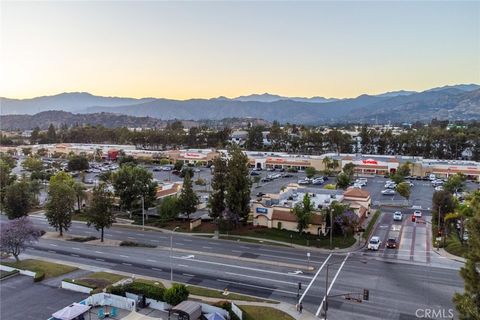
<point x="371" y="224"/>
<point x="136" y="244"/>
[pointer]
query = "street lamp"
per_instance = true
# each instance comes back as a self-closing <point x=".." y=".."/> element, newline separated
<point x="143" y="212"/>
<point x="171" y="249"/>
<point x="325" y="306"/>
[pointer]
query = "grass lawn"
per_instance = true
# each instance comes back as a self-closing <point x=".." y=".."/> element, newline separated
<point x="4" y="274"/>
<point x="98" y="280"/>
<point x="152" y="282"/>
<point x="79" y="216"/>
<point x="211" y="293"/>
<point x="294" y="237"/>
<point x="263" y="313"/>
<point x="454" y="246"/>
<point x="50" y="269"/>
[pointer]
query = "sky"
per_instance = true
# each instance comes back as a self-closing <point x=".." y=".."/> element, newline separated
<point x="200" y="49"/>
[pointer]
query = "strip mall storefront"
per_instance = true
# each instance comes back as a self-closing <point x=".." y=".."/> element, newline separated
<point x="444" y="171"/>
<point x="372" y="166"/>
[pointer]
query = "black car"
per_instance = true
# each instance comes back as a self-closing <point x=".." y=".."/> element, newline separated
<point x="254" y="173"/>
<point x="391" y="243"/>
<point x="260" y="194"/>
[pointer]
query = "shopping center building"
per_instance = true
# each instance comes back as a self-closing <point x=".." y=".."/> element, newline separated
<point x="364" y="164"/>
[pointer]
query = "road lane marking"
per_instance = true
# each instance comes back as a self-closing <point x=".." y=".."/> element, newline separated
<point x="188" y="274"/>
<point x="100" y="252"/>
<point x="179" y="244"/>
<point x="246" y="268"/>
<point x="89" y="232"/>
<point x="153" y="240"/>
<point x="332" y="283"/>
<point x="74" y="255"/>
<point x="157" y="269"/>
<point x="76" y="248"/>
<point x="314" y="277"/>
<point x="100" y="259"/>
<point x="254" y="286"/>
<point x="188" y="240"/>
<point x="261" y="278"/>
<point x="130" y="237"/>
<point x="237" y="251"/>
<point x="126" y="264"/>
<point x="183" y="265"/>
<point x="150" y="260"/>
<point x="53" y="245"/>
<point x="139" y="234"/>
<point x="51" y="251"/>
<point x="124" y="256"/>
<point x="204" y="247"/>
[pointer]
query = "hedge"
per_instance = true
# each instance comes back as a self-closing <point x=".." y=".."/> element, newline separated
<point x="148" y="290"/>
<point x="39" y="276"/>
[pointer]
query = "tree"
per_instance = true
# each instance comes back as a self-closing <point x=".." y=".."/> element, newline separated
<point x="79" y="190"/>
<point x="348" y="222"/>
<point x="303" y="212"/>
<point x="8" y="159"/>
<point x="169" y="208"/>
<point x="216" y="201"/>
<point x="403" y="189"/>
<point x="61" y="201"/>
<point x="237" y="198"/>
<point x="178" y="165"/>
<point x="404" y="169"/>
<point x="176" y="294"/>
<point x="468" y="303"/>
<point x="131" y="182"/>
<point x="310" y="172"/>
<point x="343" y="181"/>
<point x="442" y="204"/>
<point x="6" y="178"/>
<point x="16" y="235"/>
<point x="27" y="151"/>
<point x="32" y="163"/>
<point x="188" y="199"/>
<point x="78" y="163"/>
<point x="99" y="213"/>
<point x="254" y="139"/>
<point x="51" y="134"/>
<point x="455" y="182"/>
<point x="349" y="169"/>
<point x="34" y="137"/>
<point x="18" y="199"/>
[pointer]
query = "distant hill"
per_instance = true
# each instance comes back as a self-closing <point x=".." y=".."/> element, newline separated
<point x="109" y="120"/>
<point x="64" y="101"/>
<point x="441" y="103"/>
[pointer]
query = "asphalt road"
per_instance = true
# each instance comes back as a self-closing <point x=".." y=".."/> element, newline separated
<point x="270" y="271"/>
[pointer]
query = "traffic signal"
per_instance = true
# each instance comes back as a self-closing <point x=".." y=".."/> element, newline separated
<point x="366" y="294"/>
<point x="299" y="286"/>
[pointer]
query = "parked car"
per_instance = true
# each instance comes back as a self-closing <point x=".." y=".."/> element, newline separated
<point x="374" y="243"/>
<point x="288" y="175"/>
<point x="388" y="192"/>
<point x="397" y="216"/>
<point x="439" y="188"/>
<point x="260" y="194"/>
<point x="391" y="243"/>
<point x="317" y="181"/>
<point x="254" y="173"/>
<point x="156" y="169"/>
<point x="390" y="185"/>
<point x="304" y="181"/>
<point x="417" y="214"/>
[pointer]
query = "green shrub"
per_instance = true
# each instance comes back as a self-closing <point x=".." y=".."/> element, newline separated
<point x="200" y="182"/>
<point x="148" y="290"/>
<point x="176" y="294"/>
<point x="39" y="276"/>
<point x="83" y="239"/>
<point x="136" y="244"/>
<point x="370" y="225"/>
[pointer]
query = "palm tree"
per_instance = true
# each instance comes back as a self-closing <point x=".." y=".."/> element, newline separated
<point x="98" y="154"/>
<point x="79" y="189"/>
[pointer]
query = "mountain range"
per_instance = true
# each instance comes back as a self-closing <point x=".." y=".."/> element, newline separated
<point x="457" y="102"/>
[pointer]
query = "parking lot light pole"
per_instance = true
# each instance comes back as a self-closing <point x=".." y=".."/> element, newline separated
<point x="143" y="212"/>
<point x="171" y="250"/>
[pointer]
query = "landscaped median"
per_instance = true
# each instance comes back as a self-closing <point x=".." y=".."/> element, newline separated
<point x="42" y="269"/>
<point x="371" y="224"/>
<point x="211" y="293"/>
<point x="6" y="274"/>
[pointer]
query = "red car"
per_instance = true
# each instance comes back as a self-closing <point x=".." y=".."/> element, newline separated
<point x="391" y="243"/>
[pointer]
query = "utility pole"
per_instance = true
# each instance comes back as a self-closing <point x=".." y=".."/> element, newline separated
<point x="331" y="228"/>
<point x="438" y="227"/>
<point x="143" y="213"/>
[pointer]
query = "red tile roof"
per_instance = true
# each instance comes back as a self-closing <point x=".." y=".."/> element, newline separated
<point x="356" y="193"/>
<point x="283" y="215"/>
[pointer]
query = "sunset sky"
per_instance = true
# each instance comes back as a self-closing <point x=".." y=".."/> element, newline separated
<point x="206" y="49"/>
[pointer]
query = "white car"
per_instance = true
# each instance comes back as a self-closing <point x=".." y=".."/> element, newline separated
<point x="439" y="188"/>
<point x="361" y="182"/>
<point x="391" y="185"/>
<point x="374" y="243"/>
<point x="417" y="214"/>
<point x="317" y="181"/>
<point x="397" y="216"/>
<point x="304" y="181"/>
<point x="388" y="192"/>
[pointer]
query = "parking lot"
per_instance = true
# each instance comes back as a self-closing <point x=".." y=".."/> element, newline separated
<point x="23" y="299"/>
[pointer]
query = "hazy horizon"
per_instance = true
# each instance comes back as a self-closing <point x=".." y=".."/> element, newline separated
<point x="185" y="50"/>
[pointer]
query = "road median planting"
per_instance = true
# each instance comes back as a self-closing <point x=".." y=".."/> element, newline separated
<point x="42" y="269"/>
